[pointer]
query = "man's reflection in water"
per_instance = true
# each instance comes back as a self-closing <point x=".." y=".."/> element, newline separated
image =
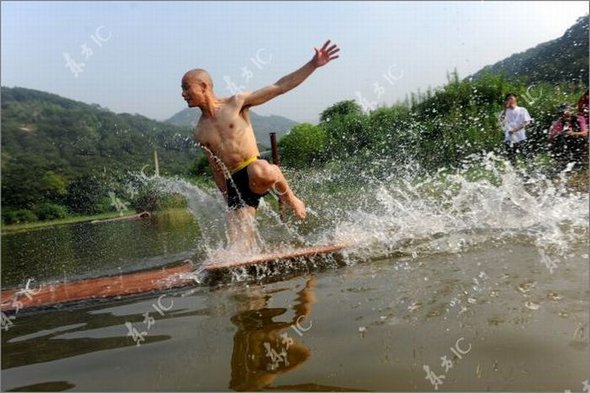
<point x="263" y="348"/>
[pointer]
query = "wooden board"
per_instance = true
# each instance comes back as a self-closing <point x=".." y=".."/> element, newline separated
<point x="98" y="288"/>
<point x="303" y="253"/>
<point x="145" y="281"/>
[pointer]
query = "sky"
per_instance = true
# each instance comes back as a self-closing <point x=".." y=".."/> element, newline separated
<point x="130" y="56"/>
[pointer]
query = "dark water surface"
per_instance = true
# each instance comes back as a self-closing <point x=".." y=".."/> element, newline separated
<point x="92" y="249"/>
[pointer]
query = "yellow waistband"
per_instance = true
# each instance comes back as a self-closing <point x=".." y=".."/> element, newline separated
<point x="243" y="164"/>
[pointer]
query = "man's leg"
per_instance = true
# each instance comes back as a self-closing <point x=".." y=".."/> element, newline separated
<point x="240" y="224"/>
<point x="264" y="177"/>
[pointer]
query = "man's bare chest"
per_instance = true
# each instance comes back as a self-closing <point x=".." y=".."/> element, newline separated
<point x="226" y="127"/>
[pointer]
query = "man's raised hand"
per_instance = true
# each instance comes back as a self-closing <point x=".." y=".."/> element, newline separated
<point x="324" y="55"/>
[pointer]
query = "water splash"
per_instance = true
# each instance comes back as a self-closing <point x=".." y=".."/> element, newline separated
<point x="210" y="210"/>
<point x="487" y="200"/>
<point x="382" y="213"/>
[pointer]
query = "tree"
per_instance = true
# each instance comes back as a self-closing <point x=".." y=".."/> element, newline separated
<point x="341" y="108"/>
<point x="347" y="135"/>
<point x="201" y="168"/>
<point x="54" y="186"/>
<point x="303" y="146"/>
<point x="85" y="194"/>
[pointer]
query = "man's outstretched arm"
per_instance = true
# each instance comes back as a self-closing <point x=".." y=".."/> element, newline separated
<point x="322" y="57"/>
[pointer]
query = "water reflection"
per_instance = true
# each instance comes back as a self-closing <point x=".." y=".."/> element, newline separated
<point x="265" y="348"/>
<point x="54" y="386"/>
<point x="87" y="249"/>
<point x="51" y="336"/>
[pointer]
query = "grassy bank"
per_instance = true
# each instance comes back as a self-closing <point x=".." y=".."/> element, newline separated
<point x="63" y="221"/>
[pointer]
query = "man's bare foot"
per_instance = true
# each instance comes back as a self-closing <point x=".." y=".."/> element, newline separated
<point x="298" y="207"/>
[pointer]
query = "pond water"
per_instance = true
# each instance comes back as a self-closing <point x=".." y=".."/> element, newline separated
<point x="91" y="249"/>
<point x="372" y="326"/>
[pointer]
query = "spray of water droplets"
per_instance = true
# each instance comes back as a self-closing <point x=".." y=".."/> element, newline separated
<point x="389" y="212"/>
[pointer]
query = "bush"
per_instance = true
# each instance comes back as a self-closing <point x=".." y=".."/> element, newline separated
<point x="173" y="201"/>
<point x="85" y="193"/>
<point x="50" y="211"/>
<point x="439" y="129"/>
<point x="150" y="198"/>
<point x="303" y="146"/>
<point x="201" y="168"/>
<point x="347" y="134"/>
<point x="18" y="216"/>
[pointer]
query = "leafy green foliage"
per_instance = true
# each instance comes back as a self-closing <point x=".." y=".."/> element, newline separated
<point x="53" y="148"/>
<point x="86" y="194"/>
<point x="50" y="211"/>
<point x="18" y="216"/>
<point x="304" y="145"/>
<point x="342" y="108"/>
<point x="149" y="197"/>
<point x="201" y="168"/>
<point x="441" y="129"/>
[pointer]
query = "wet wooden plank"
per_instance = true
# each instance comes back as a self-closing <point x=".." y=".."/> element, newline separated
<point x="307" y="252"/>
<point x="98" y="288"/>
<point x="145" y="281"/>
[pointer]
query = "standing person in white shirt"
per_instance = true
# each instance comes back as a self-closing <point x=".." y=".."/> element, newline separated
<point x="514" y="120"/>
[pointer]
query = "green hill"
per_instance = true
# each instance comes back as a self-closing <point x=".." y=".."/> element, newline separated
<point x="263" y="125"/>
<point x="49" y="141"/>
<point x="564" y="59"/>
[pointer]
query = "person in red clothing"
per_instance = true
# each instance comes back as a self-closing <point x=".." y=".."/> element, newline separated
<point x="583" y="110"/>
<point x="568" y="136"/>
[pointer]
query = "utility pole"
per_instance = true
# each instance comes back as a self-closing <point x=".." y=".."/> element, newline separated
<point x="277" y="161"/>
<point x="157" y="165"/>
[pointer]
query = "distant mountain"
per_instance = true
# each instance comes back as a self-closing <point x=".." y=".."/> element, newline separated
<point x="75" y="137"/>
<point x="564" y="59"/>
<point x="49" y="140"/>
<point x="263" y="125"/>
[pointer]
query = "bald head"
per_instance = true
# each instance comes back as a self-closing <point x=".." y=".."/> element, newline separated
<point x="197" y="88"/>
<point x="198" y="75"/>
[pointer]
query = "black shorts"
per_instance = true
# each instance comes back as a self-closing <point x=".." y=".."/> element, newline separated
<point x="238" y="191"/>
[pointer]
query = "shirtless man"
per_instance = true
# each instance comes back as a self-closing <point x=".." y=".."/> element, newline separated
<point x="225" y="133"/>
